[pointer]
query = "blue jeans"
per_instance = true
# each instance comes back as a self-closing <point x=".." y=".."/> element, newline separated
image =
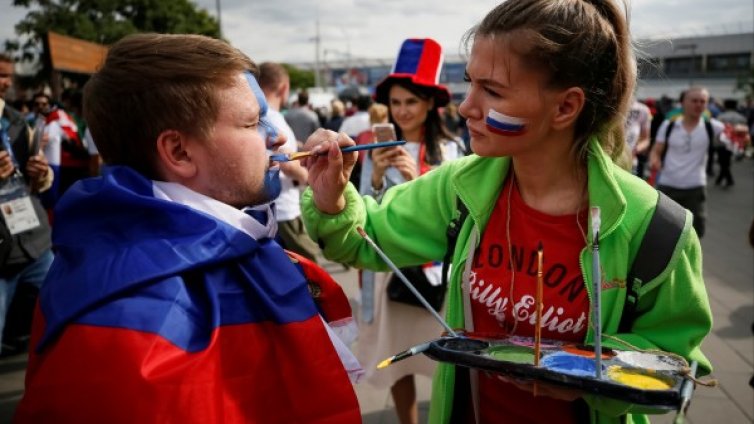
<point x="33" y="274"/>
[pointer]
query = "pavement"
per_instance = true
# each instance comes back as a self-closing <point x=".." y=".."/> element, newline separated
<point x="728" y="273"/>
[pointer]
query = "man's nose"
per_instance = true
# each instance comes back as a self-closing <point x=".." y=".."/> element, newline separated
<point x="277" y="141"/>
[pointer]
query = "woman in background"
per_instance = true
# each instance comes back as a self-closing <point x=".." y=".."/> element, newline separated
<point x="387" y="327"/>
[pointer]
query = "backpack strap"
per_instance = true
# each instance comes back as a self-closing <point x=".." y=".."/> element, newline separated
<point x="462" y="388"/>
<point x="710" y="132"/>
<point x="711" y="145"/>
<point x="654" y="254"/>
<point x="668" y="130"/>
<point x="454" y="227"/>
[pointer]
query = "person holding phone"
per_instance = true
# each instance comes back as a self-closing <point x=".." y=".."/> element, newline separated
<point x="413" y="97"/>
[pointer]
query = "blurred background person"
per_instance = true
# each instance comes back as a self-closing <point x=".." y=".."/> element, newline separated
<point x="275" y="83"/>
<point x="637" y="133"/>
<point x="452" y="119"/>
<point x="359" y="121"/>
<point x="682" y="149"/>
<point x="25" y="250"/>
<point x="336" y="117"/>
<point x="356" y="124"/>
<point x="301" y="118"/>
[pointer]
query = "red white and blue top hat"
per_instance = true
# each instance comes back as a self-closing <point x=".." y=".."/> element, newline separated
<point x="420" y="62"/>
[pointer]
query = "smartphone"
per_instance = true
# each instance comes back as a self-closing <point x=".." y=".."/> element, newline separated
<point x="384" y="132"/>
<point x="36" y="142"/>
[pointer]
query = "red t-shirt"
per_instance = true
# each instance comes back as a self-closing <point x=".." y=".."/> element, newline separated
<point x="565" y="311"/>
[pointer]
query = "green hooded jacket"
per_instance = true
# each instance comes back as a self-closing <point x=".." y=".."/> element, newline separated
<point x="409" y="224"/>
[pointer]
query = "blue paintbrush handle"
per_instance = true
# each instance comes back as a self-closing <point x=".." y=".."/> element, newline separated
<point x="372" y="146"/>
<point x="284" y="157"/>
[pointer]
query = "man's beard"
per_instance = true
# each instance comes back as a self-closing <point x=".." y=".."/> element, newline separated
<point x="241" y="197"/>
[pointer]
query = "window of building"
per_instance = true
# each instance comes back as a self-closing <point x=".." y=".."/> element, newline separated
<point x="679" y="66"/>
<point x="729" y="62"/>
<point x="452" y="72"/>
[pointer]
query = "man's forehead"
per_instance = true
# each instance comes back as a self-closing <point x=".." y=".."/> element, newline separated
<point x="6" y="69"/>
<point x="697" y="93"/>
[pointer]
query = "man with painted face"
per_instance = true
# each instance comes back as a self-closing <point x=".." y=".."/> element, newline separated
<point x="169" y="300"/>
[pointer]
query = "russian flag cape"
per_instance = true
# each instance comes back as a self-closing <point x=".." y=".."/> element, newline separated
<point x="156" y="312"/>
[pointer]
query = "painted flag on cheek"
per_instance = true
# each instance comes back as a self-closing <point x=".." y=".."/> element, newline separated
<point x="499" y="123"/>
<point x="155" y="312"/>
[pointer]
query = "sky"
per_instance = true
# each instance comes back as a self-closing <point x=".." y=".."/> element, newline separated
<point x="284" y="30"/>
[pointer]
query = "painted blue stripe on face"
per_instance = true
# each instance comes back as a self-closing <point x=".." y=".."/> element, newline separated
<point x="272" y="184"/>
<point x="270" y="132"/>
<point x="257" y="90"/>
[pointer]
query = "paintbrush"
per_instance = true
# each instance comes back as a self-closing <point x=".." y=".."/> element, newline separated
<point x="538" y="303"/>
<point x="285" y="157"/>
<point x="687" y="389"/>
<point x="597" y="281"/>
<point x="403" y="355"/>
<point x="538" y="308"/>
<point x="405" y="281"/>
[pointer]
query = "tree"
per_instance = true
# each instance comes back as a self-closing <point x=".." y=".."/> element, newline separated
<point x="103" y="22"/>
<point x="745" y="83"/>
<point x="299" y="78"/>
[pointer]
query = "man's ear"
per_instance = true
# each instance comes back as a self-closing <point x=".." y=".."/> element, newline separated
<point x="283" y="91"/>
<point x="174" y="154"/>
<point x="570" y="103"/>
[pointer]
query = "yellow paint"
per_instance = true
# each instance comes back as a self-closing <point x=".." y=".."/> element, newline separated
<point x="640" y="379"/>
<point x="384" y="363"/>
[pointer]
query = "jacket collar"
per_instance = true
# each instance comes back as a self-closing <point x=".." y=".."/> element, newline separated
<point x="476" y="178"/>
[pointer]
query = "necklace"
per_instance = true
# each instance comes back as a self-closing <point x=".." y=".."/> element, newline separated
<point x="510" y="245"/>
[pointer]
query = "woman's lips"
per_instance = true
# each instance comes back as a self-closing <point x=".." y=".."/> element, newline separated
<point x="475" y="133"/>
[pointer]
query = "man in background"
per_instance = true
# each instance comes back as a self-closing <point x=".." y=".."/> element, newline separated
<point x="25" y="248"/>
<point x="302" y="120"/>
<point x="681" y="153"/>
<point x="275" y="83"/>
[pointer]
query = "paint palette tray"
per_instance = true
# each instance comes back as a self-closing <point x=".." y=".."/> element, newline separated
<point x="636" y="377"/>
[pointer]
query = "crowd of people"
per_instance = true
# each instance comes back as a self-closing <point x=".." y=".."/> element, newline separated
<point x="186" y="269"/>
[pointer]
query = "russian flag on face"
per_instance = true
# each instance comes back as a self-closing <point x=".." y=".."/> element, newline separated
<point x="156" y="312"/>
<point x="503" y="124"/>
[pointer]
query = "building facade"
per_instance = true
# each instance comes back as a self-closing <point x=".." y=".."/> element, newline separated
<point x="666" y="67"/>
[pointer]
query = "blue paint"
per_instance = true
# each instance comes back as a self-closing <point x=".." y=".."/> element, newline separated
<point x="272" y="184"/>
<point x="570" y="364"/>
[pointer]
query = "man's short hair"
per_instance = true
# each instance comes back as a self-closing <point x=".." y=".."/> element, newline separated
<point x="690" y="89"/>
<point x="150" y="83"/>
<point x="730" y="104"/>
<point x="303" y="98"/>
<point x="39" y="94"/>
<point x="271" y="75"/>
<point x="363" y="102"/>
